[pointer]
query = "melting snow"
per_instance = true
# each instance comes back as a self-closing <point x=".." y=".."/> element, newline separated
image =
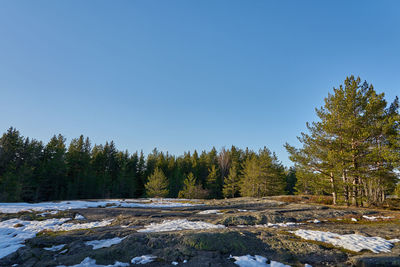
<point x="288" y="224"/>
<point x="143" y="259"/>
<point x="14" y="232"/>
<point x="104" y="243"/>
<point x="55" y="248"/>
<point x="54" y="212"/>
<point x="88" y="262"/>
<point x="176" y="225"/>
<point x="210" y="212"/>
<point x="352" y="242"/>
<point x="373" y="218"/>
<point x="353" y="219"/>
<point x="255" y="261"/>
<point x="174" y="263"/>
<point x="79" y="217"/>
<point x="78" y="204"/>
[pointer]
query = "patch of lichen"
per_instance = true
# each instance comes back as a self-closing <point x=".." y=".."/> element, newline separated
<point x="49" y="233"/>
<point x="239" y="220"/>
<point x="224" y="242"/>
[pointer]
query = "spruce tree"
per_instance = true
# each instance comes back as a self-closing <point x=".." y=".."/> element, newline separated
<point x="157" y="184"/>
<point x="213" y="182"/>
<point x="191" y="190"/>
<point x="231" y="183"/>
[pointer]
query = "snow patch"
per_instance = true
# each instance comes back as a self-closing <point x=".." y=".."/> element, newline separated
<point x="79" y="217"/>
<point x="177" y="225"/>
<point x="54" y="212"/>
<point x="78" y="204"/>
<point x="104" y="243"/>
<point x="288" y="224"/>
<point x="353" y="219"/>
<point x="352" y="242"/>
<point x="55" y="247"/>
<point x="255" y="261"/>
<point x="143" y="259"/>
<point x="88" y="262"/>
<point x="210" y="212"/>
<point x="373" y="218"/>
<point x="174" y="263"/>
<point x="14" y="232"/>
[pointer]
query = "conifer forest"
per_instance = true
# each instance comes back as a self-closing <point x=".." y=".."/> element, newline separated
<point x="352" y="153"/>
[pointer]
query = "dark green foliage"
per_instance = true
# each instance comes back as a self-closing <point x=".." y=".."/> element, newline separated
<point x="291" y="180"/>
<point x="352" y="152"/>
<point x="31" y="171"/>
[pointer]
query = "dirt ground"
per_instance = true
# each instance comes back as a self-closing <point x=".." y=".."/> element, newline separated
<point x="213" y="247"/>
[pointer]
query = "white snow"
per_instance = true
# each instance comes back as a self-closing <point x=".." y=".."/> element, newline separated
<point x="174" y="263"/>
<point x="177" y="225"/>
<point x="79" y="217"/>
<point x="79" y="204"/>
<point x="210" y="212"/>
<point x="55" y="247"/>
<point x="88" y="262"/>
<point x="373" y="218"/>
<point x="256" y="261"/>
<point x="314" y="221"/>
<point x="54" y="212"/>
<point x="353" y="219"/>
<point x="288" y="224"/>
<point x="14" y="232"/>
<point x="352" y="242"/>
<point x="104" y="243"/>
<point x="143" y="259"/>
<point x="77" y="226"/>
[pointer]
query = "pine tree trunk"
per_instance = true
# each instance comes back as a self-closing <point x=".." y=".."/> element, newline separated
<point x="333" y="189"/>
<point x="355" y="178"/>
<point x="345" y="188"/>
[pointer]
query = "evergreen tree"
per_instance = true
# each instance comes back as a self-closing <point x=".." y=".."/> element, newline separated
<point x="262" y="176"/>
<point x="157" y="184"/>
<point x="353" y="146"/>
<point x="53" y="184"/>
<point x="11" y="149"/>
<point x="231" y="184"/>
<point x="291" y="180"/>
<point x="253" y="179"/>
<point x="78" y="168"/>
<point x="191" y="190"/>
<point x="213" y="182"/>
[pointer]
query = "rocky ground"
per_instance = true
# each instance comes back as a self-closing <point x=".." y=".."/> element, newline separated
<point x="248" y="230"/>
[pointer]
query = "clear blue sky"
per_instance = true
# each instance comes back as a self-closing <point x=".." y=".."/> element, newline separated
<point x="185" y="75"/>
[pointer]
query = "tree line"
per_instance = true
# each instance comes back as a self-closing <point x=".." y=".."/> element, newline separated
<point x="353" y="151"/>
<point x="33" y="171"/>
